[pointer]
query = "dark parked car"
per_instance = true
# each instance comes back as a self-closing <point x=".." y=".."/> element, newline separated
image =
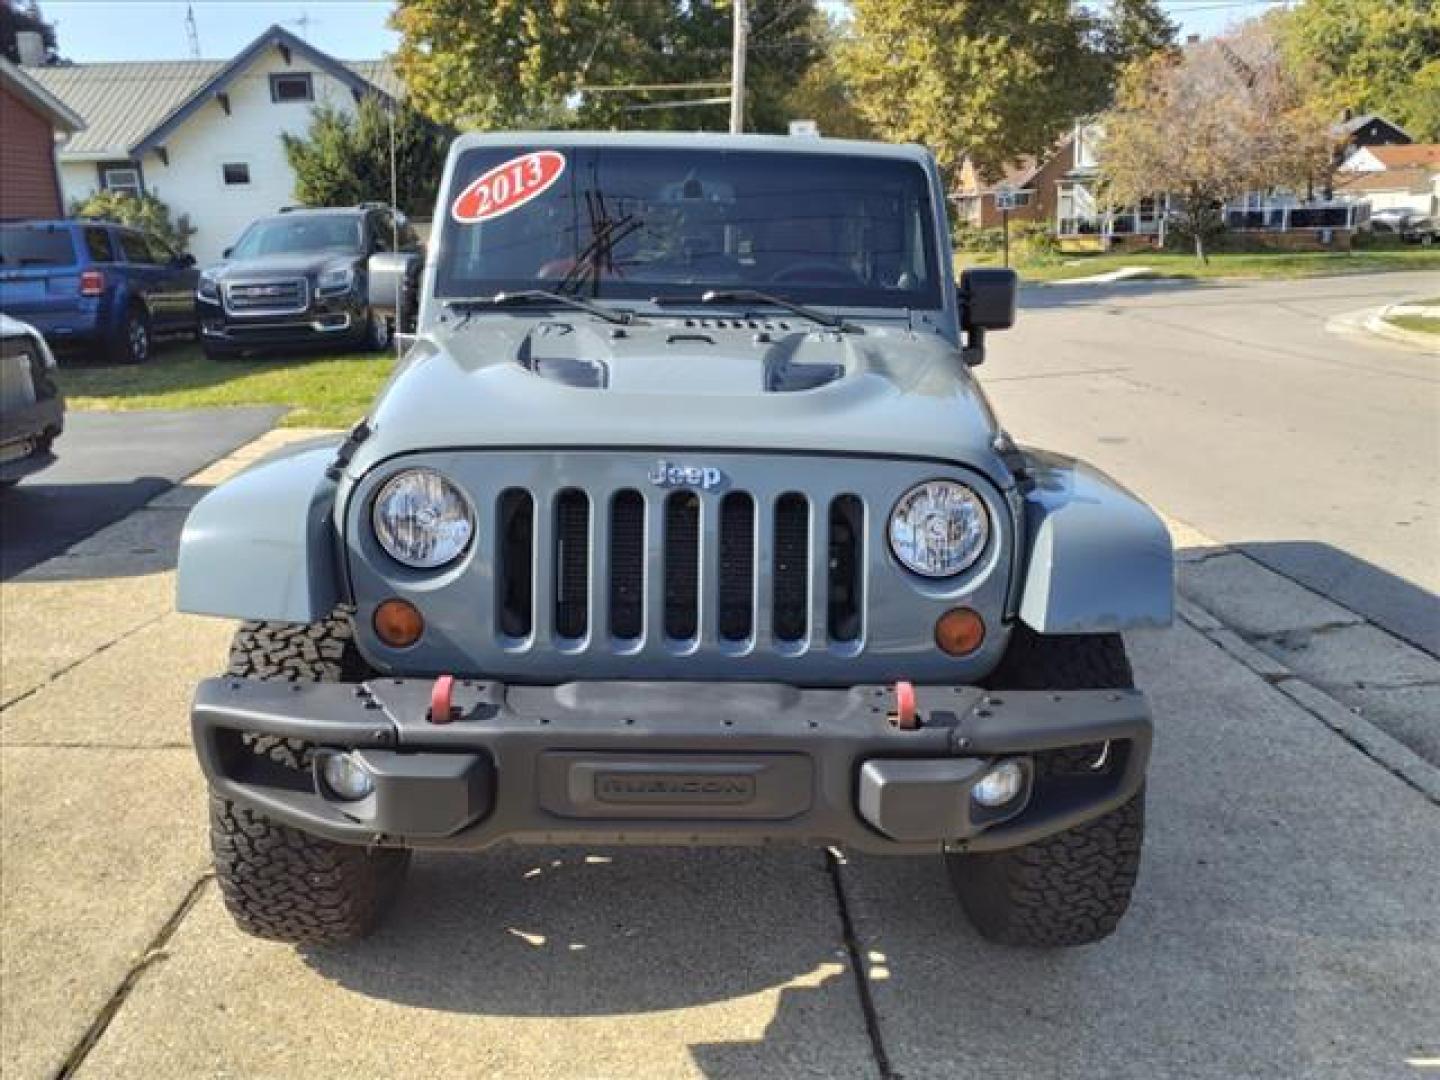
<point x="32" y="412"/>
<point x="298" y="278"/>
<point x="96" y="286"/>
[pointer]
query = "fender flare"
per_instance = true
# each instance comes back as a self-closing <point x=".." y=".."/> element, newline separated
<point x="1097" y="559"/>
<point x="263" y="546"/>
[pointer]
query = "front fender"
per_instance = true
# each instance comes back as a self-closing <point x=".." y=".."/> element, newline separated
<point x="1097" y="558"/>
<point x="263" y="546"/>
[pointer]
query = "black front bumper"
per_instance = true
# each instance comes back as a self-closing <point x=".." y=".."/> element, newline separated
<point x="25" y="435"/>
<point x="686" y="763"/>
<point x="335" y="320"/>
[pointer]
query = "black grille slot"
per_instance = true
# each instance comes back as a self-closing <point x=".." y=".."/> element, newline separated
<point x="682" y="565"/>
<point x="847" y="561"/>
<point x="572" y="563"/>
<point x="627" y="564"/>
<point x="516" y="571"/>
<point x="792" y="566"/>
<point x="737" y="566"/>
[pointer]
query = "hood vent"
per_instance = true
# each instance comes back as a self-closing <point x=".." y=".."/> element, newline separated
<point x="788" y="377"/>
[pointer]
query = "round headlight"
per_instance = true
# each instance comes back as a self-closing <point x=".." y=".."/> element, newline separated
<point x="422" y="520"/>
<point x="939" y="528"/>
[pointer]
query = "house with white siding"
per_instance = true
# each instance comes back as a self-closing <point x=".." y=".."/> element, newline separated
<point x="204" y="135"/>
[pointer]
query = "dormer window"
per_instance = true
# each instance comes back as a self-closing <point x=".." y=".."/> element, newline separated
<point x="291" y="87"/>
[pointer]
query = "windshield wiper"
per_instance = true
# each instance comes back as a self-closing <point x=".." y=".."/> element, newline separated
<point x="755" y="296"/>
<point x="543" y="296"/>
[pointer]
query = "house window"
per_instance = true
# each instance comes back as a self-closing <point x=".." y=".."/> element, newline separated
<point x="297" y="87"/>
<point x="121" y="178"/>
<point x="235" y="173"/>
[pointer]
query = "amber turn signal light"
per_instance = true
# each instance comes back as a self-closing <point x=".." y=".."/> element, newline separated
<point x="398" y="623"/>
<point x="959" y="632"/>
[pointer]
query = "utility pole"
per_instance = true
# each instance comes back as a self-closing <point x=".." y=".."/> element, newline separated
<point x="737" y="68"/>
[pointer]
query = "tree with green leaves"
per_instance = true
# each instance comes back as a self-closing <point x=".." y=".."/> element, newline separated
<point x="146" y="212"/>
<point x="528" y="63"/>
<point x="1223" y="118"/>
<point x="1371" y="56"/>
<point x="990" y="81"/>
<point x="344" y="157"/>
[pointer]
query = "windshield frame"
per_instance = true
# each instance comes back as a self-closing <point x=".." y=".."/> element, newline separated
<point x="926" y="237"/>
<point x="255" y="228"/>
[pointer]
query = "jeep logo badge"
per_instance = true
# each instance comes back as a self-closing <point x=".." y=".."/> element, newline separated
<point x="667" y="475"/>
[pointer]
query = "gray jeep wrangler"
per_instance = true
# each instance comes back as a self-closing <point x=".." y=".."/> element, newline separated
<point x="682" y="521"/>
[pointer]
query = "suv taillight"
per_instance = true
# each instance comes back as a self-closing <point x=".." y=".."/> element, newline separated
<point x="92" y="282"/>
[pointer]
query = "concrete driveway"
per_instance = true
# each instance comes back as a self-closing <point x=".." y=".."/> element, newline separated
<point x="1285" y="923"/>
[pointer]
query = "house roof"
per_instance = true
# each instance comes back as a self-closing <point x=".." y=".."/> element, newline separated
<point x="1416" y="155"/>
<point x="1415" y="179"/>
<point x="1019" y="174"/>
<point x="131" y="107"/>
<point x="1355" y="123"/>
<point x="61" y="116"/>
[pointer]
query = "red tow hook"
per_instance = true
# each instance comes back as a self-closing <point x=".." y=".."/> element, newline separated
<point x="907" y="710"/>
<point x="441" y="709"/>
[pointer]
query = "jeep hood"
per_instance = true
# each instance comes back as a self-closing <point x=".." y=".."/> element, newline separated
<point x="503" y="381"/>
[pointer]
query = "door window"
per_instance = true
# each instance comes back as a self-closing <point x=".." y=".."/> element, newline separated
<point x="136" y="249"/>
<point x="97" y="243"/>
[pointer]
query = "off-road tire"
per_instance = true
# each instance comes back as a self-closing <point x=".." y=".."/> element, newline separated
<point x="378" y="335"/>
<point x="1071" y="888"/>
<point x="278" y="882"/>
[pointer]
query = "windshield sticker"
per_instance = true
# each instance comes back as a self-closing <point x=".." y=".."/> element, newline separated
<point x="508" y="186"/>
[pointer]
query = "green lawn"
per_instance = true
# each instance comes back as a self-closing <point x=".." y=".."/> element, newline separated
<point x="1286" y="264"/>
<point x="321" y="391"/>
<point x="1417" y="323"/>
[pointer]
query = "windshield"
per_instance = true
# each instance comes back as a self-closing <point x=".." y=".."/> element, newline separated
<point x="36" y="245"/>
<point x="296" y="234"/>
<point x="636" y="224"/>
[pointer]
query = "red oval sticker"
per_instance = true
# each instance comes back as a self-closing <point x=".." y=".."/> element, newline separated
<point x="508" y="186"/>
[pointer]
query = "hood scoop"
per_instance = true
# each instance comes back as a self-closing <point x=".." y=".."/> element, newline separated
<point x="549" y="351"/>
<point x="694" y="356"/>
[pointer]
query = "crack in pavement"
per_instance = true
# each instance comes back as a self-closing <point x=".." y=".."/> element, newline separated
<point x="62" y="672"/>
<point x="31" y="745"/>
<point x="834" y="859"/>
<point x="154" y="953"/>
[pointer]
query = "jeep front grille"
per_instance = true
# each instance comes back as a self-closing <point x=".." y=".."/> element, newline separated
<point x="699" y="550"/>
<point x="605" y="564"/>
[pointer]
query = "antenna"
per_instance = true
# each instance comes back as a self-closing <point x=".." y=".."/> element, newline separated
<point x="303" y="23"/>
<point x="192" y="34"/>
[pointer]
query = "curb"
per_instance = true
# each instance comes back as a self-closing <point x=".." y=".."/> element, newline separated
<point x="1370" y="322"/>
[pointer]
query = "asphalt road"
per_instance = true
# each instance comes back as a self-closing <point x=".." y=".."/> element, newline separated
<point x="110" y="464"/>
<point x="1231" y="407"/>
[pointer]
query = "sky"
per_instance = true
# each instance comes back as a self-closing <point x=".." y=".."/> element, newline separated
<point x="91" y="30"/>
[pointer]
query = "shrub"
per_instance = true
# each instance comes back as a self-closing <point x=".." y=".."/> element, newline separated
<point x="969" y="238"/>
<point x="147" y="213"/>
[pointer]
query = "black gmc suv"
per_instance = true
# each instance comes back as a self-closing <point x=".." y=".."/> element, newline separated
<point x="298" y="278"/>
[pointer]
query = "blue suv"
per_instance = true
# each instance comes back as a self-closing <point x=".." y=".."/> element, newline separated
<point x="95" y="286"/>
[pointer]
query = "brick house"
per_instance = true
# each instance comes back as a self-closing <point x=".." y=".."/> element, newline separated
<point x="1033" y="179"/>
<point x="30" y="119"/>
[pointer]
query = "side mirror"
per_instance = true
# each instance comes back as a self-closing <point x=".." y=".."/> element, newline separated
<point x="986" y="296"/>
<point x="391" y="286"/>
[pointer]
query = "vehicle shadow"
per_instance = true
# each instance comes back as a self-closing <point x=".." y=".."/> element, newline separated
<point x="40" y="520"/>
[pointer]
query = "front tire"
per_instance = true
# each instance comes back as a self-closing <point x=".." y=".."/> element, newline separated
<point x="1071" y="888"/>
<point x="278" y="882"/>
<point x="377" y="331"/>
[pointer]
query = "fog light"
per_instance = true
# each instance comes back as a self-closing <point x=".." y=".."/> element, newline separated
<point x="1000" y="785"/>
<point x="398" y="623"/>
<point x="346" y="777"/>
